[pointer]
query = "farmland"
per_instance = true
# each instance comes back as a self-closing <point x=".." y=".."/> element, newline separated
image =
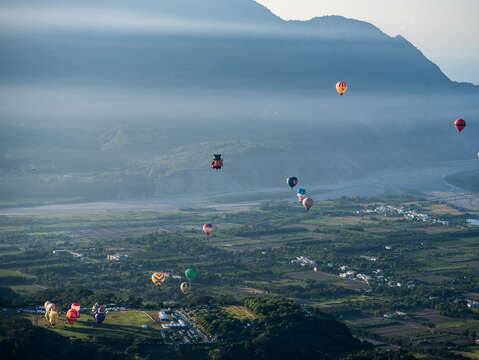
<point x="425" y="272"/>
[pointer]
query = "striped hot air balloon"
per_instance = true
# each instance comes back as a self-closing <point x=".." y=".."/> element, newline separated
<point x="341" y="87"/>
<point x="158" y="278"/>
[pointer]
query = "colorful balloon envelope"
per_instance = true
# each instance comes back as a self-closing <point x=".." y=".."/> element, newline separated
<point x="301" y="192"/>
<point x="100" y="317"/>
<point x="53" y="317"/>
<point x="208" y="229"/>
<point x="300" y="197"/>
<point x="158" y="278"/>
<point x="292" y="181"/>
<point x="460" y="124"/>
<point x="185" y="288"/>
<point x="49" y="306"/>
<point x="341" y="87"/>
<point x="308" y="203"/>
<point x="190" y="274"/>
<point x="101" y="309"/>
<point x="94" y="308"/>
<point x="76" y="306"/>
<point x="72" y="316"/>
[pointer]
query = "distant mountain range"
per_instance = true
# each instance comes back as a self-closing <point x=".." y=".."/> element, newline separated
<point x="124" y="98"/>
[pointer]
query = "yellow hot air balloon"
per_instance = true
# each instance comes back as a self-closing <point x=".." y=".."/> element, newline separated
<point x="53" y="317"/>
<point x="341" y="87"/>
<point x="158" y="278"/>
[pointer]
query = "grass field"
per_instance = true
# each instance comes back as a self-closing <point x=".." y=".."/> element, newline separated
<point x="117" y="325"/>
<point x="239" y="312"/>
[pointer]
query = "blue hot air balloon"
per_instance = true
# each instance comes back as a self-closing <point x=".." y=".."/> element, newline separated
<point x="292" y="181"/>
<point x="301" y="192"/>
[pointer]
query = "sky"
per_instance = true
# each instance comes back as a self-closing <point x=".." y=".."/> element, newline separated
<point x="446" y="31"/>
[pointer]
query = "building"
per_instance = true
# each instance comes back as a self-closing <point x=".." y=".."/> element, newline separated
<point x="117" y="257"/>
<point x="172" y="326"/>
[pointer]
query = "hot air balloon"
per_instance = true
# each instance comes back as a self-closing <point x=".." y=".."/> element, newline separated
<point x="158" y="278"/>
<point x="52" y="317"/>
<point x="341" y="87"/>
<point x="460" y="124"/>
<point x="190" y="274"/>
<point x="94" y="308"/>
<point x="100" y="317"/>
<point x="292" y="181"/>
<point x="185" y="287"/>
<point x="208" y="229"/>
<point x="217" y="162"/>
<point x="76" y="306"/>
<point x="72" y="316"/>
<point x="49" y="306"/>
<point x="301" y="191"/>
<point x="101" y="309"/>
<point x="308" y="203"/>
<point x="300" y="197"/>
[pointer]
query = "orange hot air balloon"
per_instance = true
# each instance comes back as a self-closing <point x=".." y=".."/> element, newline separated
<point x="460" y="124"/>
<point x="341" y="87"/>
<point x="72" y="316"/>
<point x="308" y="203"/>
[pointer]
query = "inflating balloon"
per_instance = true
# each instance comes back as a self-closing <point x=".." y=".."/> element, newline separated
<point x="72" y="316"/>
<point x="308" y="203"/>
<point x="341" y="87"/>
<point x="76" y="306"/>
<point x="158" y="278"/>
<point x="53" y="317"/>
<point x="100" y="317"/>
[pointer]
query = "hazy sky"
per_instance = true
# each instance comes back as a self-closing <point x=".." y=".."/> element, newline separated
<point x="446" y="31"/>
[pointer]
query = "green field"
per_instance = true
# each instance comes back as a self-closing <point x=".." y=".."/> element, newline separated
<point x="118" y="324"/>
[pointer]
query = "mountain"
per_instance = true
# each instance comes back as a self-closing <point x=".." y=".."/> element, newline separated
<point x="121" y="98"/>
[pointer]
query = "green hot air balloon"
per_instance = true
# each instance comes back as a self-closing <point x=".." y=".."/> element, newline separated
<point x="190" y="274"/>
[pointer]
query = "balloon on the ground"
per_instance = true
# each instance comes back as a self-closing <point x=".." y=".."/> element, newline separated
<point x="460" y="124"/>
<point x="208" y="229"/>
<point x="190" y="274"/>
<point x="292" y="181"/>
<point x="76" y="306"/>
<point x="72" y="316"/>
<point x="184" y="287"/>
<point x="49" y="306"/>
<point x="100" y="317"/>
<point x="94" y="308"/>
<point x="341" y="87"/>
<point x="52" y="317"/>
<point x="308" y="203"/>
<point x="158" y="278"/>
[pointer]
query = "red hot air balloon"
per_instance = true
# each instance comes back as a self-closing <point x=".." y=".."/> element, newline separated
<point x="72" y="316"/>
<point x="460" y="124"/>
<point x="208" y="229"/>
